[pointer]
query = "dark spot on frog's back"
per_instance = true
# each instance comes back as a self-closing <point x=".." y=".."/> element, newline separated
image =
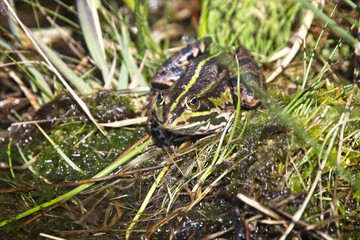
<point x="173" y="70"/>
<point x="159" y="86"/>
<point x="163" y="73"/>
<point x="178" y="71"/>
<point x="187" y="51"/>
<point x="244" y="61"/>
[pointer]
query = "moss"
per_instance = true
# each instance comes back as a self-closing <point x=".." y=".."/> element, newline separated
<point x="91" y="154"/>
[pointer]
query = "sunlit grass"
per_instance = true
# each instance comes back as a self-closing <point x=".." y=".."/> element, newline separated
<point x="319" y="121"/>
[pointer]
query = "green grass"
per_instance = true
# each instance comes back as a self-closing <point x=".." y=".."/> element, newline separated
<point x="302" y="146"/>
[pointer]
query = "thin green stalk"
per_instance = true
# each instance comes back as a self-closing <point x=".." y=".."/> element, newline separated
<point x="31" y="169"/>
<point x="216" y="159"/>
<point x="146" y="200"/>
<point x="332" y="24"/>
<point x="90" y="26"/>
<point x="77" y="190"/>
<point x="353" y="5"/>
<point x="53" y="13"/>
<point x="67" y="7"/>
<point x="48" y="54"/>
<point x="42" y="85"/>
<point x="60" y="151"/>
<point x="144" y="38"/>
<point x="313" y="52"/>
<point x="203" y="21"/>
<point x="299" y="130"/>
<point x="10" y="161"/>
<point x="123" y="39"/>
<point x="237" y="116"/>
<point x="172" y="192"/>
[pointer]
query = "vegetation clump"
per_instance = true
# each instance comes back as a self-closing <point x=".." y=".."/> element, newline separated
<point x="73" y="123"/>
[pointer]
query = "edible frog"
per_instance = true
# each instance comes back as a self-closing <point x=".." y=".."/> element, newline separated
<point x="196" y="94"/>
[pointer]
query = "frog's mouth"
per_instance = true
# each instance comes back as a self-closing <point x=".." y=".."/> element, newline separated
<point x="196" y="125"/>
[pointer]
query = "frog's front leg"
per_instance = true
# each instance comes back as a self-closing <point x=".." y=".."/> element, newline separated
<point x="174" y="67"/>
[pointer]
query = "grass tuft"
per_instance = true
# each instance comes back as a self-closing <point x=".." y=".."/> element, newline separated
<point x="292" y="163"/>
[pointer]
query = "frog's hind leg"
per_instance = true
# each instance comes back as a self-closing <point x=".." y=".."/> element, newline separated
<point x="251" y="74"/>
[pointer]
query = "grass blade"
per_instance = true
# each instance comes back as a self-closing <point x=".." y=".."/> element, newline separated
<point x="75" y="191"/>
<point x="60" y="151"/>
<point x="41" y="47"/>
<point x="90" y="25"/>
<point x="78" y="83"/>
<point x="144" y="39"/>
<point x="123" y="40"/>
<point x="332" y="24"/>
<point x="146" y="200"/>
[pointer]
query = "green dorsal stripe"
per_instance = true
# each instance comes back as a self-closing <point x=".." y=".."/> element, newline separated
<point x="193" y="79"/>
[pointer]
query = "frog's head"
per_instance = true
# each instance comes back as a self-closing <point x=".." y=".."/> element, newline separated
<point x="200" y="102"/>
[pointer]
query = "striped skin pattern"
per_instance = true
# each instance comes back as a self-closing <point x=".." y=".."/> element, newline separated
<point x="196" y="94"/>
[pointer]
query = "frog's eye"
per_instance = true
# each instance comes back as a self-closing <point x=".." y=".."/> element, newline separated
<point x="192" y="103"/>
<point x="160" y="99"/>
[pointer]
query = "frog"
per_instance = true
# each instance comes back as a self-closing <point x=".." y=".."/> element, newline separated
<point x="195" y="94"/>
